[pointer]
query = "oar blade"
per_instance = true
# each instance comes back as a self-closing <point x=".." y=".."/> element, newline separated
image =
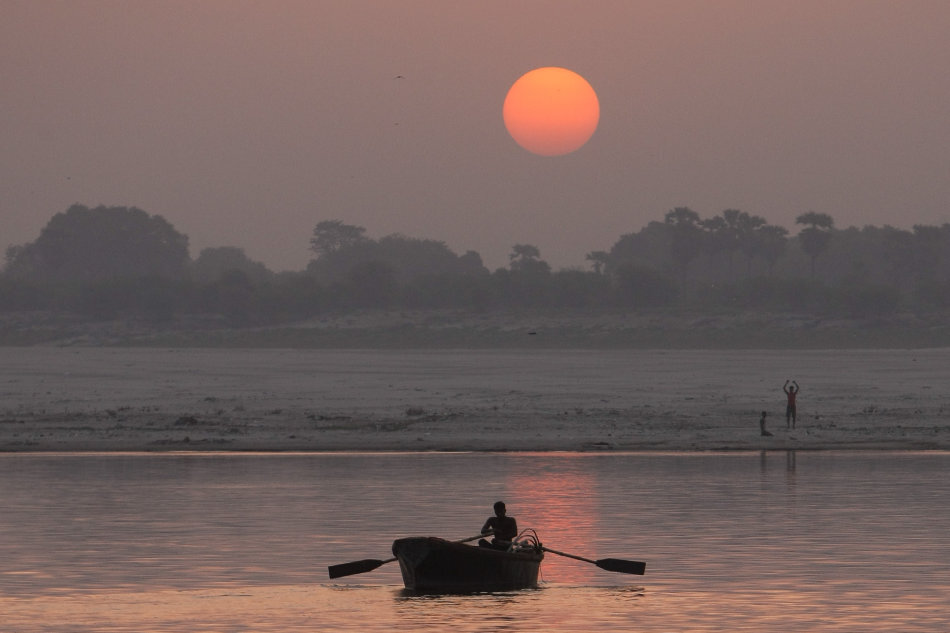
<point x="623" y="566"/>
<point x="356" y="567"/>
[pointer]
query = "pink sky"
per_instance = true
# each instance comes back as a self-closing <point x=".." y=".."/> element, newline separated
<point x="246" y="123"/>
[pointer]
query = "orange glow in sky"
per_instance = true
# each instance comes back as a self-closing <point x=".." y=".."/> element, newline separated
<point x="385" y="115"/>
<point x="551" y="111"/>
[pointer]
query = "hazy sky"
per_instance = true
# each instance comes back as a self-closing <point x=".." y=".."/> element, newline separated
<point x="246" y="123"/>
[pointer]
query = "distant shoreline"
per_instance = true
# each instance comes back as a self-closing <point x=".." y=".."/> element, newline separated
<point x="452" y="329"/>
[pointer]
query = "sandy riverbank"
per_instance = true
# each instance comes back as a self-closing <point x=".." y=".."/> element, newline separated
<point x="118" y="399"/>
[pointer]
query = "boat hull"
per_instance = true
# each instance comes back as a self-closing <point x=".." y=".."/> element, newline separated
<point x="431" y="564"/>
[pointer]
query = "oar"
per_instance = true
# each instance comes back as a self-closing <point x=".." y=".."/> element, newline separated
<point x="357" y="567"/>
<point x="609" y="564"/>
<point x="369" y="564"/>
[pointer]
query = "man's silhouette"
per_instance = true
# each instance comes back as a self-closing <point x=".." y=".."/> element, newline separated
<point x="503" y="527"/>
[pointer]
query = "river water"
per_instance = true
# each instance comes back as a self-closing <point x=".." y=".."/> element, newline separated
<point x="807" y="541"/>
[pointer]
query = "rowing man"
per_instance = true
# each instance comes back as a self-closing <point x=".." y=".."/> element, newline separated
<point x="503" y="527"/>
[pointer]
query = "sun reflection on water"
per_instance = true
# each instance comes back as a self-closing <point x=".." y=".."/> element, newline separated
<point x="562" y="507"/>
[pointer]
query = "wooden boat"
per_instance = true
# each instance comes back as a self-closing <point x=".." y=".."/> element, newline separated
<point x="434" y="565"/>
<point x="430" y="564"/>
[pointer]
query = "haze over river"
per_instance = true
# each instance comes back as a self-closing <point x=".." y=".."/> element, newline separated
<point x="744" y="541"/>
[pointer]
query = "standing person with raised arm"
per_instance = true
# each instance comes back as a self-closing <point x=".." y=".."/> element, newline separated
<point x="791" y="411"/>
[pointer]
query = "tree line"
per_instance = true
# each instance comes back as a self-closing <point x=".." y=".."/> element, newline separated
<point x="120" y="262"/>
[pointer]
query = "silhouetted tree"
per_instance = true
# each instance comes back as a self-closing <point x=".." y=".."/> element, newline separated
<point x="448" y="291"/>
<point x="20" y="294"/>
<point x="471" y="262"/>
<point x="816" y="235"/>
<point x="371" y="284"/>
<point x="747" y="230"/>
<point x="643" y="287"/>
<point x="213" y="263"/>
<point x="650" y="247"/>
<point x="233" y="295"/>
<point x="734" y="231"/>
<point x="153" y="298"/>
<point x="573" y="288"/>
<point x="932" y="243"/>
<point x="771" y="242"/>
<point x="407" y="258"/>
<point x="599" y="260"/>
<point x="897" y="251"/>
<point x="525" y="258"/>
<point x="718" y="239"/>
<point x="863" y="300"/>
<point x="330" y="236"/>
<point x="687" y="238"/>
<point x="411" y="258"/>
<point x="103" y="243"/>
<point x="11" y="254"/>
<point x="293" y="295"/>
<point x="106" y="263"/>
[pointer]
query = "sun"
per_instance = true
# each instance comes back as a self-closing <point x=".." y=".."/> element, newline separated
<point x="551" y="111"/>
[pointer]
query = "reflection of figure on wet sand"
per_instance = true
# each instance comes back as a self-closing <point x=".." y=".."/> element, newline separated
<point x="762" y="425"/>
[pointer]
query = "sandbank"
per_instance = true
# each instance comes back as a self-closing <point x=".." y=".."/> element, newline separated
<point x="135" y="399"/>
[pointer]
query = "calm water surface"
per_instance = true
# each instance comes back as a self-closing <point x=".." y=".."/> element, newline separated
<point x="733" y="542"/>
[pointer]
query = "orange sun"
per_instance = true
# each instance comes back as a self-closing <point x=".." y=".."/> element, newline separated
<point x="551" y="111"/>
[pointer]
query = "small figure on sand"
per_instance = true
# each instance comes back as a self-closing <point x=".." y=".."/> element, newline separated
<point x="503" y="527"/>
<point x="791" y="413"/>
<point x="762" y="425"/>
